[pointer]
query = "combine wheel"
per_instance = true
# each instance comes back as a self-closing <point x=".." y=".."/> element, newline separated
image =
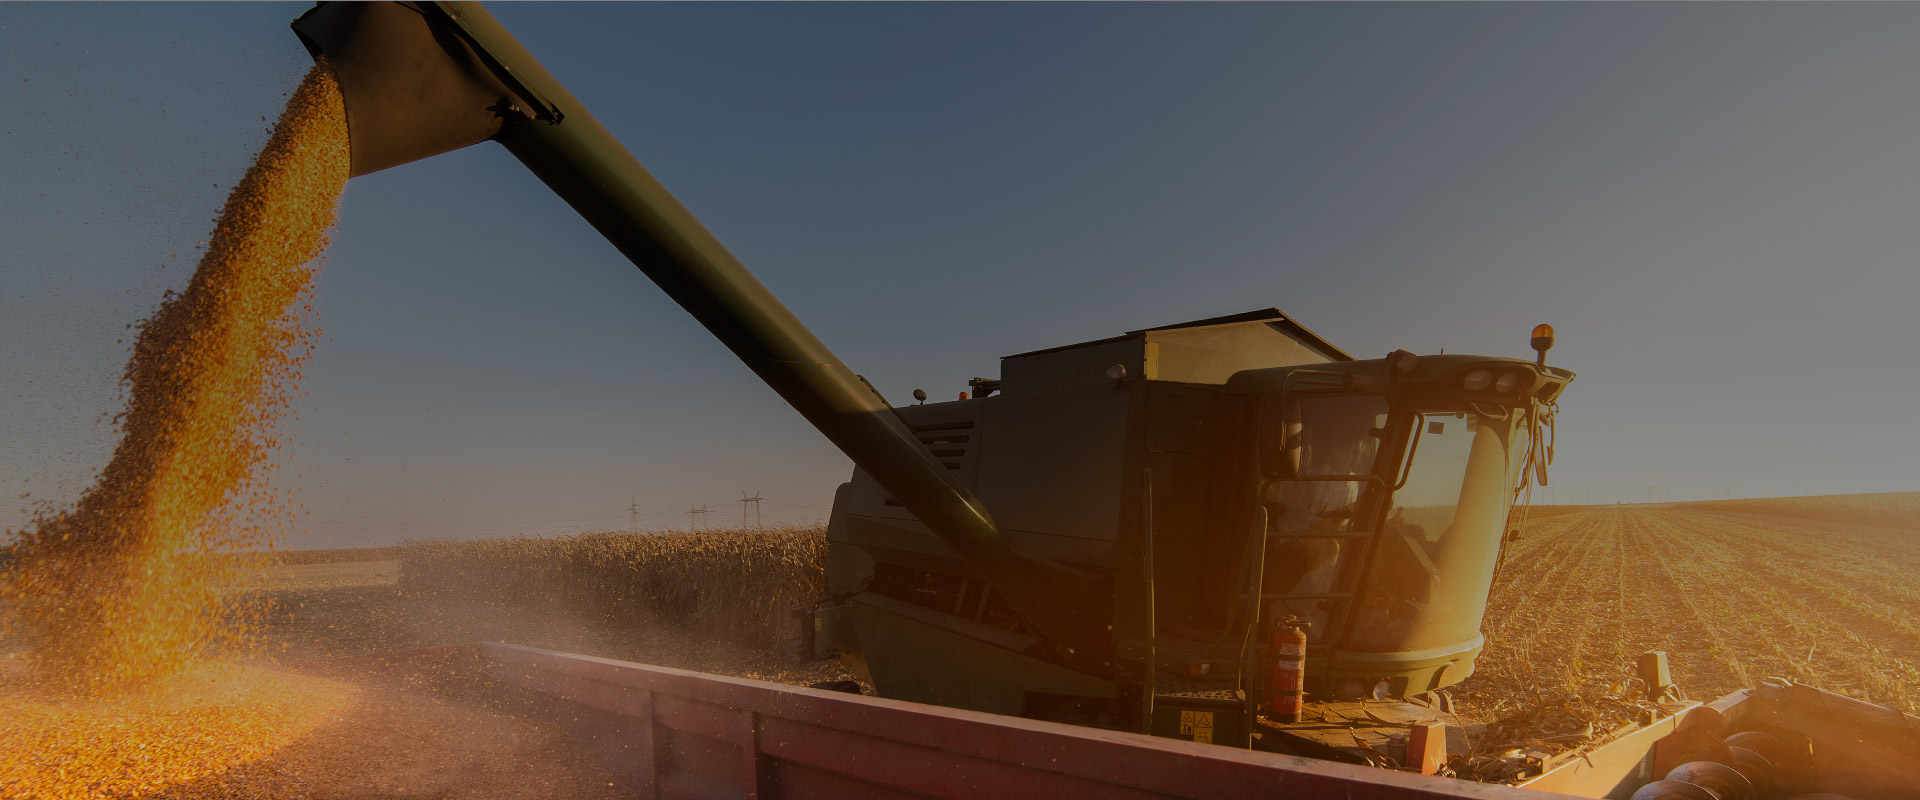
<point x="1725" y="782"/>
<point x="1672" y="790"/>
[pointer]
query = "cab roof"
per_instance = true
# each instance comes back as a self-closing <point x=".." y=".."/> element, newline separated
<point x="1272" y="317"/>
<point x="1203" y="351"/>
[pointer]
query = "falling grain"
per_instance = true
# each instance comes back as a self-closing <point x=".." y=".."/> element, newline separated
<point x="117" y="592"/>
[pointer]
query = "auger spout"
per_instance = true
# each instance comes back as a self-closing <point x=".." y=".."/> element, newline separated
<point x="424" y="78"/>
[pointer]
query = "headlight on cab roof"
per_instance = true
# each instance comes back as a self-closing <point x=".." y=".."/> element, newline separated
<point x="1477" y="380"/>
<point x="1507" y="382"/>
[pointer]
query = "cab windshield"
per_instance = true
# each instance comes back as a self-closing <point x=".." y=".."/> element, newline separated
<point x="1434" y="539"/>
<point x="1434" y="557"/>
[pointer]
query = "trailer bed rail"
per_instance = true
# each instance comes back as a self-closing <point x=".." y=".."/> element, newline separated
<point x="669" y="733"/>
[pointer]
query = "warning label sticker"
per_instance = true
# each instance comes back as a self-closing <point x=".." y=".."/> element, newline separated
<point x="1197" y="724"/>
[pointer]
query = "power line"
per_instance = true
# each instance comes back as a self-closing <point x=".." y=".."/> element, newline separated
<point x="755" y="500"/>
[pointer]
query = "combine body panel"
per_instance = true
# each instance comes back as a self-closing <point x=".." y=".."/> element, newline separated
<point x="1060" y="450"/>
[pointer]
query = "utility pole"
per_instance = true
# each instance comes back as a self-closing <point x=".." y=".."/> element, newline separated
<point x="696" y="517"/>
<point x="755" y="500"/>
<point x="633" y="515"/>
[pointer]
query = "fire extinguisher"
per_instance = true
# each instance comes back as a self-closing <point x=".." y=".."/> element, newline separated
<point x="1288" y="643"/>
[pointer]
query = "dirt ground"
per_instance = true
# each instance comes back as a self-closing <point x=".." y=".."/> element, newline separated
<point x="1732" y="596"/>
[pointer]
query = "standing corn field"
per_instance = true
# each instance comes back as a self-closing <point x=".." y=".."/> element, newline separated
<point x="728" y="585"/>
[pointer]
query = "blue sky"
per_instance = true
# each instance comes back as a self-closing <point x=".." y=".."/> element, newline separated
<point x="1718" y="206"/>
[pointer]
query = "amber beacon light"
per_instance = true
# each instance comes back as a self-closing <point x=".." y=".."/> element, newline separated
<point x="1542" y="342"/>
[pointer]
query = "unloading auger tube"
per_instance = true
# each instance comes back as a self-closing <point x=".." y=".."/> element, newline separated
<point x="420" y="79"/>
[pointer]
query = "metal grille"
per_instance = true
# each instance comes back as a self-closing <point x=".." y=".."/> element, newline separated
<point x="948" y="441"/>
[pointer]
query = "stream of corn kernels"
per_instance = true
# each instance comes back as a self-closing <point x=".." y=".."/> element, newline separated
<point x="119" y="599"/>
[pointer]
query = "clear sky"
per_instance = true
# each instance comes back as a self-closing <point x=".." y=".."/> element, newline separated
<point x="1718" y="206"/>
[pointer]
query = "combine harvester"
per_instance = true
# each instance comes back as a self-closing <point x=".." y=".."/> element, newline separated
<point x="1216" y="559"/>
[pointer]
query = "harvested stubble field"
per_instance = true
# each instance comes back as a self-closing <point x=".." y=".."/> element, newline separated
<point x="1822" y="590"/>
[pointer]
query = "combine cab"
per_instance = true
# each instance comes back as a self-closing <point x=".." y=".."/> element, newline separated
<point x="1228" y="532"/>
